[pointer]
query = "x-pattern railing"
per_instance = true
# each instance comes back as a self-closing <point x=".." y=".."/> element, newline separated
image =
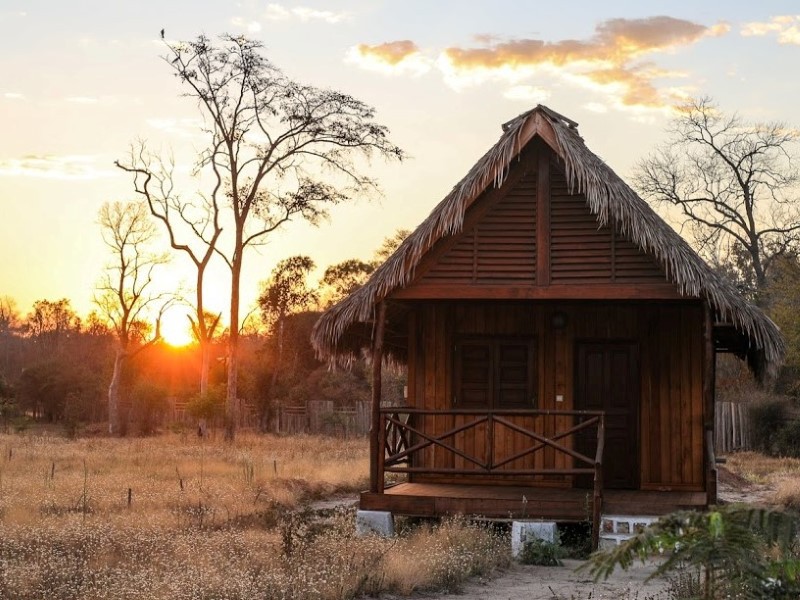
<point x="404" y="439"/>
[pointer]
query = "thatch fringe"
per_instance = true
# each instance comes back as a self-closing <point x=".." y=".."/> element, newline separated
<point x="607" y="196"/>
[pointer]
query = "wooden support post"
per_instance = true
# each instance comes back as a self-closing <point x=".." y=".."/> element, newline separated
<point x="375" y="447"/>
<point x="708" y="404"/>
<point x="597" y="496"/>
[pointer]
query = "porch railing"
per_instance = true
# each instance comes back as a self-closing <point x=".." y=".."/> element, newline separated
<point x="405" y="436"/>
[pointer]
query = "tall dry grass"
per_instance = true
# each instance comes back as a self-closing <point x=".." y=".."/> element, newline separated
<point x="208" y="520"/>
<point x="781" y="475"/>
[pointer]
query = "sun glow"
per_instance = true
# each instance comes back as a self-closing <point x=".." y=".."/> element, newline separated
<point x="175" y="329"/>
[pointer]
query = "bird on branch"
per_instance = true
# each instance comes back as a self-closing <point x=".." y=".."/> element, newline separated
<point x="162" y="34"/>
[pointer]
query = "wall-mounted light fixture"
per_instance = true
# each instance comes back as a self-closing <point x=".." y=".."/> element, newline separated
<point x="559" y="320"/>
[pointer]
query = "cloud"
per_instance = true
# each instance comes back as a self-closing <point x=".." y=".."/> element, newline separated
<point x="402" y="56"/>
<point x="528" y="93"/>
<point x="611" y="61"/>
<point x="82" y="99"/>
<point x="616" y="62"/>
<point x="278" y="12"/>
<point x="13" y="96"/>
<point x="596" y="107"/>
<point x="785" y="27"/>
<point x="12" y="14"/>
<point x="184" y="127"/>
<point x="69" y="167"/>
<point x="250" y="26"/>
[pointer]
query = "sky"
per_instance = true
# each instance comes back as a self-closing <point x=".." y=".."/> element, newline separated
<point x="81" y="81"/>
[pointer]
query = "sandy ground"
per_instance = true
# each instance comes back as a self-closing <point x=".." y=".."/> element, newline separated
<point x="563" y="583"/>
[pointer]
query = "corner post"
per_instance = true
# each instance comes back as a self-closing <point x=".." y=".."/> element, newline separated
<point x="708" y="401"/>
<point x="375" y="447"/>
<point x="597" y="498"/>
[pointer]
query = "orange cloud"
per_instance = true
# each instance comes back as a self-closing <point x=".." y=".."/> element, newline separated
<point x="390" y="57"/>
<point x="785" y="27"/>
<point x="607" y="61"/>
<point x="391" y="53"/>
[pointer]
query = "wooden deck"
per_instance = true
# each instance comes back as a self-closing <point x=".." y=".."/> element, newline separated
<point x="504" y="502"/>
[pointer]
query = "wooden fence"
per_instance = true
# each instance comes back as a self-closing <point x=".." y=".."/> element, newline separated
<point x="323" y="417"/>
<point x="731" y="427"/>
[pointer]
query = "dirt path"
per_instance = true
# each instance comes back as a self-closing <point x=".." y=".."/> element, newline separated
<point x="562" y="583"/>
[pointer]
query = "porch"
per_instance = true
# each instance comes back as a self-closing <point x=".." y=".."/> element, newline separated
<point x="504" y="464"/>
<point x="489" y="462"/>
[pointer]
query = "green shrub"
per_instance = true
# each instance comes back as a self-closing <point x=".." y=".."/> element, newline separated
<point x="209" y="405"/>
<point x="541" y="553"/>
<point x="736" y="551"/>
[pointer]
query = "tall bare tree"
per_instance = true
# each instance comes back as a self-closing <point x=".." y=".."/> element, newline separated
<point x="277" y="150"/>
<point x="125" y="293"/>
<point x="193" y="228"/>
<point x="734" y="184"/>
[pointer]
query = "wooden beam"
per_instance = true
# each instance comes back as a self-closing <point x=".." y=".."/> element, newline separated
<point x="543" y="217"/>
<point x="375" y="448"/>
<point x="593" y="291"/>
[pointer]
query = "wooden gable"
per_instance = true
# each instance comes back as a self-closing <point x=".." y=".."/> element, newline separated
<point x="532" y="238"/>
<point x="583" y="252"/>
<point x="500" y="248"/>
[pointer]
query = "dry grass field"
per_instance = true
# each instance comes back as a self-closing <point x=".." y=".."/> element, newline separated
<point x="174" y="517"/>
<point x="768" y="480"/>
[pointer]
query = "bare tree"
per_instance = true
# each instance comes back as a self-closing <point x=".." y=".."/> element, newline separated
<point x="125" y="293"/>
<point x="734" y="184"/>
<point x="277" y="150"/>
<point x="197" y="219"/>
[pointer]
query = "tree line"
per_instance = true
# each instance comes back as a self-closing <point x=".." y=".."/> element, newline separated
<point x="55" y="366"/>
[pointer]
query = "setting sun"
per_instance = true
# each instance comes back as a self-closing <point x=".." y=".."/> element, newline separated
<point x="176" y="330"/>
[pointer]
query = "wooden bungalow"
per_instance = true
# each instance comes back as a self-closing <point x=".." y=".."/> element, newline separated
<point x="560" y="339"/>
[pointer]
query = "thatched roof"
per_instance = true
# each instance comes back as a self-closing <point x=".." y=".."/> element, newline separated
<point x="607" y="196"/>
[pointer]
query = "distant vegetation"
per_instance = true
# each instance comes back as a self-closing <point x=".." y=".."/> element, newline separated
<point x="55" y="366"/>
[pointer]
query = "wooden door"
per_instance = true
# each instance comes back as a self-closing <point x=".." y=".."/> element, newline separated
<point x="607" y="378"/>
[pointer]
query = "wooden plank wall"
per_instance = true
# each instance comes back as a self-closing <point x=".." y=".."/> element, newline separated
<point x="584" y="252"/>
<point x="670" y="351"/>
